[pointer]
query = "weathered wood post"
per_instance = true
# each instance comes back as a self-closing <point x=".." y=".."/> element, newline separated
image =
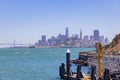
<point x="62" y="70"/>
<point x="93" y="73"/>
<point x="68" y="64"/>
<point x="106" y="75"/>
<point x="79" y="74"/>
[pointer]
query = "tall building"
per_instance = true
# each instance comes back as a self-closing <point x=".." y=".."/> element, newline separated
<point x="67" y="32"/>
<point x="75" y="37"/>
<point x="96" y="35"/>
<point x="61" y="37"/>
<point x="80" y="34"/>
<point x="86" y="38"/>
<point x="43" y="38"/>
<point x="91" y="38"/>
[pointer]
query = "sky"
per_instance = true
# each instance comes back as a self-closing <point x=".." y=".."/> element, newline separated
<point x="26" y="20"/>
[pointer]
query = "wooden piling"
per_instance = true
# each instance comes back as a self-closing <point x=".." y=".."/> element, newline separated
<point x="106" y="75"/>
<point x="62" y="70"/>
<point x="79" y="74"/>
<point x="68" y="64"/>
<point x="93" y="73"/>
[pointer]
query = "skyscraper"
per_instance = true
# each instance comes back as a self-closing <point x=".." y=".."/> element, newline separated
<point x="80" y="34"/>
<point x="43" y="38"/>
<point x="96" y="35"/>
<point x="67" y="32"/>
<point x="91" y="38"/>
<point x="86" y="38"/>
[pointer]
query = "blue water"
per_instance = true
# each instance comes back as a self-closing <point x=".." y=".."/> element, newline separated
<point x="34" y="63"/>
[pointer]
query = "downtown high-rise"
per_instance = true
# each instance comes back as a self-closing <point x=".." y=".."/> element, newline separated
<point x="96" y="35"/>
<point x="67" y="32"/>
<point x="80" y="34"/>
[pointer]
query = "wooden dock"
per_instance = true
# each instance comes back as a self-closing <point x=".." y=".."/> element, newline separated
<point x="65" y="72"/>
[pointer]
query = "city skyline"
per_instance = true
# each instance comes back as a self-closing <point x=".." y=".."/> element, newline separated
<point x="27" y="20"/>
<point x="66" y="33"/>
<point x="75" y="40"/>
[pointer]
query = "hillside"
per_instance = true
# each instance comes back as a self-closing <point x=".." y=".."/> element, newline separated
<point x="113" y="47"/>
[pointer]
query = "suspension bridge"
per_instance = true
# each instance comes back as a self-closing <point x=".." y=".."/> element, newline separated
<point x="14" y="44"/>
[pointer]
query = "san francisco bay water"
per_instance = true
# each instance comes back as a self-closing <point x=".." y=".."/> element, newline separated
<point x="34" y="63"/>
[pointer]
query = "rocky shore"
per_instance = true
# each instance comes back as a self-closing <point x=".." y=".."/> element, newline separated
<point x="113" y="47"/>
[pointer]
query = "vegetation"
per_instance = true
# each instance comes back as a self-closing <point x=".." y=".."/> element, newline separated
<point x="114" y="46"/>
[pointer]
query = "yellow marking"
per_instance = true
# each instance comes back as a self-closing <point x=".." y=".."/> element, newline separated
<point x="99" y="51"/>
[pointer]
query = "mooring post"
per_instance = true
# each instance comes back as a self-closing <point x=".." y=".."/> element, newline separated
<point x="79" y="74"/>
<point x="106" y="75"/>
<point x="93" y="73"/>
<point x="62" y="70"/>
<point x="68" y="64"/>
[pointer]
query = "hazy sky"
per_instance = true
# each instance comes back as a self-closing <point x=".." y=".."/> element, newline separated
<point x="26" y="20"/>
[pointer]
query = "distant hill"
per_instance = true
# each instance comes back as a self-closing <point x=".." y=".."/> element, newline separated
<point x="113" y="47"/>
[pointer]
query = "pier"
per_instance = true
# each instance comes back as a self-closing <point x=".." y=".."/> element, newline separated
<point x="65" y="70"/>
<point x="105" y="68"/>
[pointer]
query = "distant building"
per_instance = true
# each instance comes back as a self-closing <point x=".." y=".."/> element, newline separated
<point x="102" y="40"/>
<point x="80" y="34"/>
<point x="86" y="38"/>
<point x="43" y="38"/>
<point x="75" y="37"/>
<point x="91" y="38"/>
<point x="61" y="38"/>
<point x="106" y="41"/>
<point x="53" y="39"/>
<point x="96" y="35"/>
<point x="50" y="42"/>
<point x="67" y="32"/>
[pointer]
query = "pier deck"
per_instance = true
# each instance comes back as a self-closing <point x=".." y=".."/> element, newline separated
<point x="110" y="64"/>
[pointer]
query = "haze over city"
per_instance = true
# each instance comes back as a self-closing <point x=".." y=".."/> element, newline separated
<point x="26" y="20"/>
<point x="76" y="40"/>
